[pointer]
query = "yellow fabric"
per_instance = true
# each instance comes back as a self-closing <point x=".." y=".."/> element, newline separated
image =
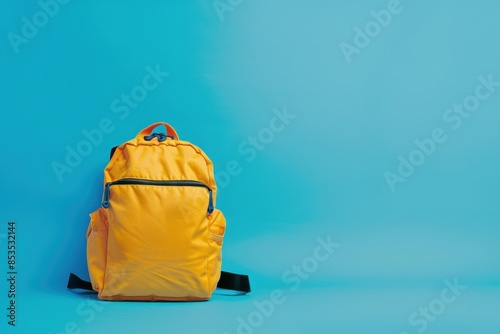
<point x="156" y="242"/>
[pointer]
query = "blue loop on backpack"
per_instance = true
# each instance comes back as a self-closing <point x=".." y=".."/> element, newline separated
<point x="160" y="136"/>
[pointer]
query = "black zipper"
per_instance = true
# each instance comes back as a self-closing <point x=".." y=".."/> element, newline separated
<point x="162" y="183"/>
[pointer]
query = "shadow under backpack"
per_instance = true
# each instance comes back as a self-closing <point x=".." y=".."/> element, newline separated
<point x="157" y="235"/>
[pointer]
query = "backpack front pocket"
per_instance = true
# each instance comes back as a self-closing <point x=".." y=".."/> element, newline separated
<point x="153" y="255"/>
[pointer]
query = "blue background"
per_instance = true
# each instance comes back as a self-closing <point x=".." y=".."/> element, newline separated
<point x="323" y="175"/>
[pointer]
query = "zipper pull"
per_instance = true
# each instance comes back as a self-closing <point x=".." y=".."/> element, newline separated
<point x="210" y="201"/>
<point x="105" y="197"/>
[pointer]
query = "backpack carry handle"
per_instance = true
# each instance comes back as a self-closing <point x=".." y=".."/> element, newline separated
<point x="170" y="130"/>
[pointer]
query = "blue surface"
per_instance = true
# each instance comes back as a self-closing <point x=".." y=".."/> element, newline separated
<point x="369" y="87"/>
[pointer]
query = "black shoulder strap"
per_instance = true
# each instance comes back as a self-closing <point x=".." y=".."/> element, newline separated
<point x="75" y="282"/>
<point x="228" y="281"/>
<point x="236" y="282"/>
<point x="112" y="152"/>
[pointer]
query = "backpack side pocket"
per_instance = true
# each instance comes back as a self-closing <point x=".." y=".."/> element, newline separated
<point x="217" y="228"/>
<point x="97" y="243"/>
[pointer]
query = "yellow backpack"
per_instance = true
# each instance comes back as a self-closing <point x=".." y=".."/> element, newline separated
<point x="158" y="234"/>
